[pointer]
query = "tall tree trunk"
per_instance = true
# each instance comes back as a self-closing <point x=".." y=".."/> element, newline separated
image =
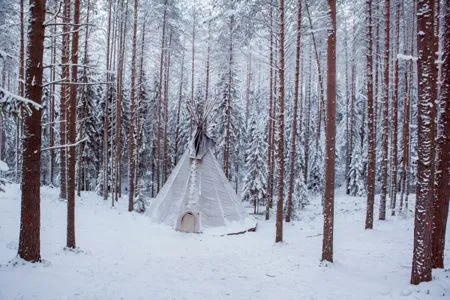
<point x="106" y="111"/>
<point x="406" y="135"/>
<point x="72" y="125"/>
<point x="394" y="136"/>
<point x="442" y="190"/>
<point x="279" y="220"/>
<point x="376" y="68"/>
<point x="160" y="101"/>
<point x="52" y="106"/>
<point x="118" y="131"/>
<point x="347" y="114"/>
<point x="180" y="99"/>
<point x="208" y="58"/>
<point x="352" y="99"/>
<point x="294" y="117"/>
<point x="405" y="145"/>
<point x="328" y="211"/>
<point x="30" y="218"/>
<point x="270" y="156"/>
<point x="385" y="121"/>
<point x="139" y="107"/>
<point x="227" y="151"/>
<point x="131" y="135"/>
<point x="19" y="123"/>
<point x="166" y="111"/>
<point x="116" y="48"/>
<point x="352" y="111"/>
<point x="82" y="126"/>
<point x="371" y="121"/>
<point x="426" y="44"/>
<point x="308" y="117"/>
<point x="321" y="106"/>
<point x="63" y="115"/>
<point x="194" y="19"/>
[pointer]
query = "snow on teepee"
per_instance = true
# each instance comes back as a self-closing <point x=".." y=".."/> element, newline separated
<point x="197" y="197"/>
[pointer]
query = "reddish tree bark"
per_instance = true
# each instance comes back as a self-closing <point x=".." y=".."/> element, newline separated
<point x="131" y="135"/>
<point x="406" y="136"/>
<point x="442" y="191"/>
<point x="406" y="120"/>
<point x="63" y="115"/>
<point x="52" y="106"/>
<point x="279" y="220"/>
<point x="270" y="131"/>
<point x="22" y="50"/>
<point x="347" y="114"/>
<point x="30" y="218"/>
<point x="72" y="125"/>
<point x="421" y="265"/>
<point x="385" y="120"/>
<point x="371" y="121"/>
<point x="81" y="131"/>
<point x="328" y="211"/>
<point x="394" y="141"/>
<point x="376" y="90"/>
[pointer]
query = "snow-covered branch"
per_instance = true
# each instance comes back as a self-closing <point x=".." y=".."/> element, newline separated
<point x="70" y="24"/>
<point x="12" y="102"/>
<point x="6" y="54"/>
<point x="65" y="146"/>
<point x="406" y="57"/>
<point x="63" y="82"/>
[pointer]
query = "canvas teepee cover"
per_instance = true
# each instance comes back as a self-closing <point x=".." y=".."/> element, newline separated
<point x="197" y="196"/>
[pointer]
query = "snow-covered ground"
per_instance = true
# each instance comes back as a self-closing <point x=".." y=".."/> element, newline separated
<point x="125" y="256"/>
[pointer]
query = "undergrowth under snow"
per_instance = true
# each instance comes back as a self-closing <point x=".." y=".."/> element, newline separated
<point x="123" y="255"/>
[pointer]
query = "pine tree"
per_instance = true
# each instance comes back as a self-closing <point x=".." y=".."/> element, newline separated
<point x="394" y="141"/>
<point x="356" y="172"/>
<point x="292" y="152"/>
<point x="271" y="117"/>
<point x="371" y="120"/>
<point x="21" y="90"/>
<point x="71" y="126"/>
<point x="442" y="187"/>
<point x="131" y="136"/>
<point x="64" y="99"/>
<point x="328" y="211"/>
<point x="280" y="119"/>
<point x="229" y="107"/>
<point x="422" y="264"/>
<point x="385" y="120"/>
<point x="29" y="239"/>
<point x="255" y="165"/>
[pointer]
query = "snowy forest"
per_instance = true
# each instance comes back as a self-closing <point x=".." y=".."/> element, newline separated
<point x="326" y="122"/>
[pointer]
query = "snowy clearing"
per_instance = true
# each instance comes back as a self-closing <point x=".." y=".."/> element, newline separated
<point x="125" y="256"/>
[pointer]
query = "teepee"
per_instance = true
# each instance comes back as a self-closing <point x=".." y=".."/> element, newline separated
<point x="197" y="197"/>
